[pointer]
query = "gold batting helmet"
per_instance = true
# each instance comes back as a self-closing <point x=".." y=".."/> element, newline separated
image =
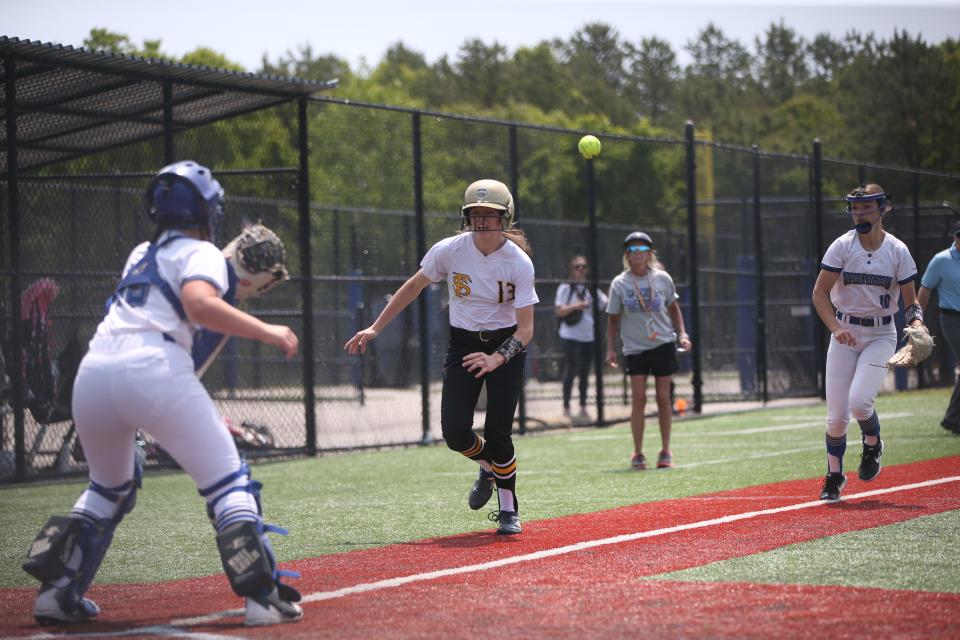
<point x="489" y="193"/>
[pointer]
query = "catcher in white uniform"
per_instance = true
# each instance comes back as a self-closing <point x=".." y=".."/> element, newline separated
<point x="139" y="374"/>
<point x="862" y="276"/>
<point x="490" y="278"/>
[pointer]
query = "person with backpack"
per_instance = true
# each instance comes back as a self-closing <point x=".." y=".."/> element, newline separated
<point x="574" y="308"/>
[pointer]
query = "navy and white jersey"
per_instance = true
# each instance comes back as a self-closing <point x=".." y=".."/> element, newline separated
<point x="869" y="282"/>
<point x="179" y="259"/>
<point x="485" y="291"/>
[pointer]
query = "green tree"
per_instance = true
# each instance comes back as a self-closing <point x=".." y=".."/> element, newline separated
<point x="654" y="74"/>
<point x="782" y="63"/>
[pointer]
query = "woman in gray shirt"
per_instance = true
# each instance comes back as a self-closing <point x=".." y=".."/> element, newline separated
<point x="644" y="312"/>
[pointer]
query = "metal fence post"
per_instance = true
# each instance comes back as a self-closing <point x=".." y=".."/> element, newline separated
<point x="169" y="154"/>
<point x="13" y="206"/>
<point x="691" y="169"/>
<point x="594" y="283"/>
<point x="515" y="190"/>
<point x="306" y="283"/>
<point x="819" y="329"/>
<point x="915" y="187"/>
<point x="761" y="290"/>
<point x="421" y="299"/>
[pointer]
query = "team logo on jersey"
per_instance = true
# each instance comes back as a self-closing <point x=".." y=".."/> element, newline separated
<point x="460" y="282"/>
<point x="871" y="279"/>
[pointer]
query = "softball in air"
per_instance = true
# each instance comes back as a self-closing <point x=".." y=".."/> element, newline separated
<point x="589" y="147"/>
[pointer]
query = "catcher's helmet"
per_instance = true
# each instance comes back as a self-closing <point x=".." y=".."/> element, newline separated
<point x="184" y="195"/>
<point x="489" y="193"/>
<point x="637" y="236"/>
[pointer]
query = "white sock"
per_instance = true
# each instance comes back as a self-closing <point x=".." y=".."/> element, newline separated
<point x="485" y="466"/>
<point x="505" y="496"/>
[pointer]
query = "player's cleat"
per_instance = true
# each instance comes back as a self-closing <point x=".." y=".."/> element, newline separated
<point x="271" y="609"/>
<point x="509" y="521"/>
<point x="833" y="484"/>
<point x="49" y="607"/>
<point x="482" y="490"/>
<point x="665" y="461"/>
<point x="638" y="462"/>
<point x="870" y="461"/>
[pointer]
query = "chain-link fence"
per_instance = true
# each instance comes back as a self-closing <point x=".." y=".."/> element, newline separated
<point x="740" y="230"/>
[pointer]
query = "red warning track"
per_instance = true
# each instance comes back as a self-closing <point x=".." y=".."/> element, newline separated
<point x="598" y="591"/>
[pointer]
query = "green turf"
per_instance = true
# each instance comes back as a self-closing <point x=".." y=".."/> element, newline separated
<point x="917" y="555"/>
<point x="345" y="502"/>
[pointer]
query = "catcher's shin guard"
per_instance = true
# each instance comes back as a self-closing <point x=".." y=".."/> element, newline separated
<point x="68" y="551"/>
<point x="242" y="540"/>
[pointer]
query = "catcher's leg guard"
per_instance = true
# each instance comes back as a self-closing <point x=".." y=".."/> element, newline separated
<point x="244" y="545"/>
<point x="68" y="551"/>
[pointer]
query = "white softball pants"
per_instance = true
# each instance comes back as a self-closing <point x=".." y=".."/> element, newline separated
<point x="855" y="374"/>
<point x="141" y="381"/>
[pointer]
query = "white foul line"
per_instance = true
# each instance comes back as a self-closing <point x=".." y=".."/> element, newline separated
<point x="170" y="630"/>
<point x="590" y="544"/>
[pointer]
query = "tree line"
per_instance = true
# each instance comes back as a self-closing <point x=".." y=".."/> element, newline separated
<point x="886" y="100"/>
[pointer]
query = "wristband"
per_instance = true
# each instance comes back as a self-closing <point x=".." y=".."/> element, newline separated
<point x="510" y="347"/>
<point x="913" y="312"/>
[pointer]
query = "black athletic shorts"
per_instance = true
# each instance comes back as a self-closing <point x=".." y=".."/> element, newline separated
<point x="659" y="361"/>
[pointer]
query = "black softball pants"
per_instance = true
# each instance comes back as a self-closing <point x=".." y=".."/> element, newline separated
<point x="461" y="391"/>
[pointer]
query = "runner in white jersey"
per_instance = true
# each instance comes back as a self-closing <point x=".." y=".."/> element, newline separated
<point x="489" y="277"/>
<point x="862" y="276"/>
<point x="139" y="374"/>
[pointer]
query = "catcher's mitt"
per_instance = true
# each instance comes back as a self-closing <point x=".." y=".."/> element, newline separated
<point x="259" y="259"/>
<point x="917" y="347"/>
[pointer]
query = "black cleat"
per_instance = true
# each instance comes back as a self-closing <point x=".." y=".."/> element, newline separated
<point x="833" y="484"/>
<point x="509" y="521"/>
<point x="870" y="461"/>
<point x="482" y="490"/>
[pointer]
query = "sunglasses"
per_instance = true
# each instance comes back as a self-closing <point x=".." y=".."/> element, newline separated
<point x="579" y="266"/>
<point x="637" y="248"/>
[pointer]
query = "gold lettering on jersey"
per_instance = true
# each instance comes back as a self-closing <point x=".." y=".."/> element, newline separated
<point x="460" y="282"/>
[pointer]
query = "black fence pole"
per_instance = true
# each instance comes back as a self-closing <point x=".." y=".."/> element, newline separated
<point x="169" y="153"/>
<point x="515" y="190"/>
<point x="819" y="329"/>
<point x="13" y="207"/>
<point x="306" y="282"/>
<point x="915" y="188"/>
<point x="694" y="265"/>
<point x="422" y="299"/>
<point x="761" y="289"/>
<point x="594" y="249"/>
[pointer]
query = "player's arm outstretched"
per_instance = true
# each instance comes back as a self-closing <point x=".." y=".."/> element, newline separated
<point x="828" y="315"/>
<point x="406" y="294"/>
<point x="204" y="306"/>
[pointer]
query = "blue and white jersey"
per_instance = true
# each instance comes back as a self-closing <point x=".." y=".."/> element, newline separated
<point x="145" y="307"/>
<point x="869" y="282"/>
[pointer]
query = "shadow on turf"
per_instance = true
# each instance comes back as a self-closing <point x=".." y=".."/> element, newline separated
<point x="872" y="505"/>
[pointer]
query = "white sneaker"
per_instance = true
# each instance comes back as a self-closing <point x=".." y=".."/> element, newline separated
<point x="272" y="609"/>
<point x="48" y="610"/>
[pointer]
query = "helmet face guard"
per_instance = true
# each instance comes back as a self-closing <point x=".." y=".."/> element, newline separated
<point x="859" y="196"/>
<point x="184" y="195"/>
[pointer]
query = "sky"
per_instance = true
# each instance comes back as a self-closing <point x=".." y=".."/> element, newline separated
<point x="360" y="31"/>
